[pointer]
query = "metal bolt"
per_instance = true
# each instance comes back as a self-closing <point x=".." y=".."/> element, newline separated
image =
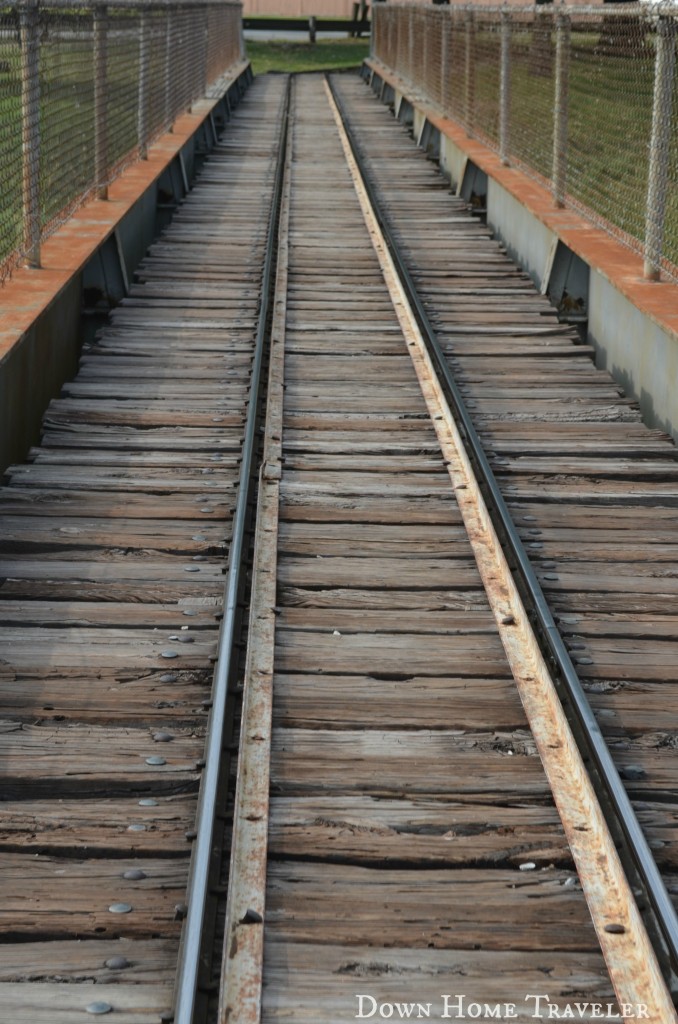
<point x="120" y="908"/>
<point x="98" y="1008"/>
<point x="155" y="759"/>
<point x="169" y="654"/>
<point x="168" y="677"/>
<point x="134" y="875"/>
<point x="148" y="801"/>
<point x="117" y="963"/>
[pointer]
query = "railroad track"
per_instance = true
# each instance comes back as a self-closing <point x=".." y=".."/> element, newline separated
<point x="414" y="824"/>
<point x="115" y="540"/>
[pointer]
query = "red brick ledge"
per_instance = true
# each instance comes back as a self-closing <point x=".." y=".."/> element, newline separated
<point x="28" y="293"/>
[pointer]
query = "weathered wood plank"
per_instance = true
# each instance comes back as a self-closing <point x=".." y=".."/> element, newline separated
<point x="415" y="832"/>
<point x="333" y="903"/>
<point x="405" y="761"/>
<point x="389" y="701"/>
<point x="321" y="988"/>
<point x="49" y="1003"/>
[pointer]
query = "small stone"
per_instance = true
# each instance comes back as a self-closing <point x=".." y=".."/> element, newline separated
<point x="117" y="963"/>
<point x="570" y="883"/>
<point x="120" y="908"/>
<point x="198" y="537"/>
<point x="133" y="875"/>
<point x="207" y="510"/>
<point x="136" y="828"/>
<point x="155" y="760"/>
<point x="584" y="660"/>
<point x="191" y="568"/>
<point x="168" y="677"/>
<point x="336" y="633"/>
<point x="199" y="558"/>
<point x="550" y="576"/>
<point x="186" y="639"/>
<point x="148" y="801"/>
<point x="632" y="771"/>
<point x="529" y="865"/>
<point x="169" y="654"/>
<point x="163" y="737"/>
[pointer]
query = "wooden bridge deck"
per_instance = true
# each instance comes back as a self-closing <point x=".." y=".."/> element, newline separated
<point x="405" y="840"/>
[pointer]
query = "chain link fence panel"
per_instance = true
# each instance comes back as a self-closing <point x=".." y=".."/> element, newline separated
<point x="85" y="89"/>
<point x="581" y="98"/>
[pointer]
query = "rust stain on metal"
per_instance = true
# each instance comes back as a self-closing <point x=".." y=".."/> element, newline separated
<point x="629" y="955"/>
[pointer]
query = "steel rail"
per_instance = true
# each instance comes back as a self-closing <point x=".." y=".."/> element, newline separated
<point x="596" y="747"/>
<point x="187" y="978"/>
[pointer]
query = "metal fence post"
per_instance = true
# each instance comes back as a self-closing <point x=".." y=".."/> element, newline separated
<point x="469" y="71"/>
<point x="30" y="130"/>
<point x="561" y="107"/>
<point x="426" y="19"/>
<point x="142" y="98"/>
<point x="505" y="88"/>
<point x="660" y="144"/>
<point x="100" y="101"/>
<point x="169" y="106"/>
<point x="444" y="59"/>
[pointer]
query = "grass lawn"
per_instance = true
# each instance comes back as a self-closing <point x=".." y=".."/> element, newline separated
<point x="324" y="55"/>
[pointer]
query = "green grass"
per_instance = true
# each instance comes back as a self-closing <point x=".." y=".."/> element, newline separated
<point x="324" y="55"/>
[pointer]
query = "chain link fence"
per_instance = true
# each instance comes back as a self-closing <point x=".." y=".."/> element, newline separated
<point x="85" y="89"/>
<point x="581" y="98"/>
